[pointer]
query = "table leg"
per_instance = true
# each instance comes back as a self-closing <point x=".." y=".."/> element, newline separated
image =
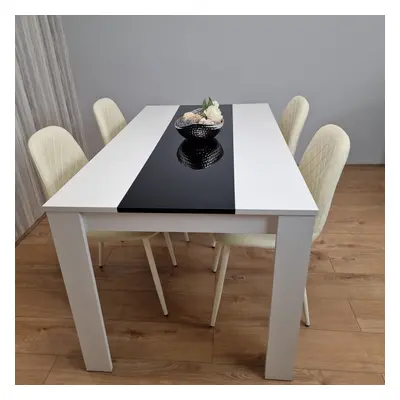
<point x="69" y="235"/>
<point x="292" y="255"/>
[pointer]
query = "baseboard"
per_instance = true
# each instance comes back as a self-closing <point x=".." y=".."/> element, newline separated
<point x="29" y="230"/>
<point x="365" y="165"/>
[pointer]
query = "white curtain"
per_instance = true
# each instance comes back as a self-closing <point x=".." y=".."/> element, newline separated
<point x="44" y="95"/>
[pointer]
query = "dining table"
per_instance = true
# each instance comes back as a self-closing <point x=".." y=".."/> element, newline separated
<point x="150" y="178"/>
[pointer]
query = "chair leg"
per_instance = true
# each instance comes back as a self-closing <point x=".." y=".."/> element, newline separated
<point x="214" y="242"/>
<point x="305" y="308"/>
<point x="220" y="283"/>
<point x="186" y="236"/>
<point x="101" y="248"/>
<point x="170" y="248"/>
<point x="217" y="257"/>
<point x="154" y="273"/>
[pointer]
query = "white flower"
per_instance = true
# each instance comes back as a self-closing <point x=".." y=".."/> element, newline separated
<point x="215" y="103"/>
<point x="213" y="113"/>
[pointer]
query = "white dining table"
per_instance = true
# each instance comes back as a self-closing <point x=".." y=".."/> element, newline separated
<point x="148" y="178"/>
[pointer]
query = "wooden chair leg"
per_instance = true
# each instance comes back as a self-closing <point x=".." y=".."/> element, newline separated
<point x="170" y="248"/>
<point x="154" y="273"/>
<point x="305" y="309"/>
<point x="220" y="283"/>
<point x="217" y="257"/>
<point x="101" y="251"/>
<point x="186" y="236"/>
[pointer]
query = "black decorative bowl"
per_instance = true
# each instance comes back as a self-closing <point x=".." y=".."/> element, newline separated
<point x="197" y="131"/>
<point x="199" y="154"/>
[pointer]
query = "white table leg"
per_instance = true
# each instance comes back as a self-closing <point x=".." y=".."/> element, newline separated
<point x="292" y="255"/>
<point x="69" y="235"/>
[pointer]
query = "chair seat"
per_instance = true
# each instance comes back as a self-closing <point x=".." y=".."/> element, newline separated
<point x="266" y="241"/>
<point x="119" y="236"/>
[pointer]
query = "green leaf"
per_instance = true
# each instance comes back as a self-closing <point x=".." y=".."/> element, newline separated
<point x="210" y="102"/>
<point x="204" y="104"/>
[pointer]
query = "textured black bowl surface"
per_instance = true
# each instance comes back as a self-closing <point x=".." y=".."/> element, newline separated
<point x="197" y="131"/>
<point x="199" y="154"/>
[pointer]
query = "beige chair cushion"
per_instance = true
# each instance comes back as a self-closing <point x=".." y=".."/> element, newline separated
<point x="322" y="165"/>
<point x="109" y="119"/>
<point x="246" y="240"/>
<point x="58" y="157"/>
<point x="292" y="121"/>
<point x="249" y="240"/>
<point x="119" y="236"/>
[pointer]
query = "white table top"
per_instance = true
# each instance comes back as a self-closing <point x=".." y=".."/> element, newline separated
<point x="267" y="180"/>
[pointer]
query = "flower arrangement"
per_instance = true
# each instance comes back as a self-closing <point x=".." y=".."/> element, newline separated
<point x="209" y="114"/>
<point x="202" y="123"/>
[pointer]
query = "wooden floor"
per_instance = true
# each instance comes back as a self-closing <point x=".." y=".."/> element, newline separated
<point x="344" y="345"/>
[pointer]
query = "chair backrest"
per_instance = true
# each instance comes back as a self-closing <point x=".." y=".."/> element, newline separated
<point x="57" y="157"/>
<point x="292" y="121"/>
<point x="109" y="118"/>
<point x="322" y="165"/>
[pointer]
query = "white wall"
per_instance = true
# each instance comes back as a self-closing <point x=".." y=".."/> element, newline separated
<point x="336" y="62"/>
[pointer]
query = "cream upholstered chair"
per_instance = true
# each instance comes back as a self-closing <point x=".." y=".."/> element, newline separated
<point x="109" y="117"/>
<point x="58" y="157"/>
<point x="321" y="166"/>
<point x="292" y="121"/>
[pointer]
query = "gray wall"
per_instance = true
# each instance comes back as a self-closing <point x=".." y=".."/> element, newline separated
<point x="336" y="62"/>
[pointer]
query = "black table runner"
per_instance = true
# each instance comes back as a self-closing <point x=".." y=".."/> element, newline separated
<point x="185" y="176"/>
